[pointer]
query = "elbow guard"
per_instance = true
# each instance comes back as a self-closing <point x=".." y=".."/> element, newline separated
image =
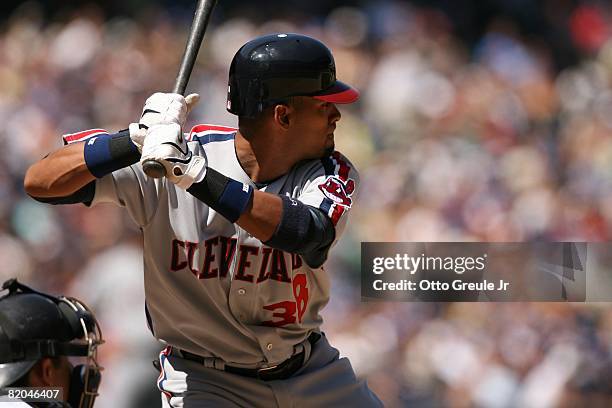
<point x="304" y="230"/>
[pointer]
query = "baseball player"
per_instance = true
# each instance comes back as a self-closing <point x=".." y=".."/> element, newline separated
<point x="237" y="233"/>
<point x="37" y="334"/>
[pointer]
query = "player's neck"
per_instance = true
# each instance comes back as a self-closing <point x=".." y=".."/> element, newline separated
<point x="261" y="159"/>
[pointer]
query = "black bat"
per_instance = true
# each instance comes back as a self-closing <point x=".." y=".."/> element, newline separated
<point x="153" y="168"/>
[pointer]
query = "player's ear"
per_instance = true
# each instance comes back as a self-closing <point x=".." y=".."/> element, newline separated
<point x="47" y="371"/>
<point x="41" y="373"/>
<point x="283" y="115"/>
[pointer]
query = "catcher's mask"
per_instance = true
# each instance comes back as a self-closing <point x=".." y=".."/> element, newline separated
<point x="34" y="325"/>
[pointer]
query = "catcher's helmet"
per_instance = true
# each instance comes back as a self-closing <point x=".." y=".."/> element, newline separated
<point x="34" y="325"/>
<point x="271" y="68"/>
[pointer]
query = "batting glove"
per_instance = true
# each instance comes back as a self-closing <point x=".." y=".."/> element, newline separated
<point x="137" y="134"/>
<point x="162" y="108"/>
<point x="165" y="144"/>
<point x="167" y="108"/>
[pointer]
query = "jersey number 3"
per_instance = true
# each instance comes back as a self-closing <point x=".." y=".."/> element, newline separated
<point x="286" y="311"/>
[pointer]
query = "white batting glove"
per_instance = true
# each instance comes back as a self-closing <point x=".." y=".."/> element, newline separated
<point x="137" y="134"/>
<point x="162" y="108"/>
<point x="167" y="108"/>
<point x="165" y="144"/>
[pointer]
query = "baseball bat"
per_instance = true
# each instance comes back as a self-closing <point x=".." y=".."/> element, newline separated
<point x="153" y="168"/>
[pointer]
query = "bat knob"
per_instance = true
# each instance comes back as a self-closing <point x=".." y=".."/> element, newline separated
<point x="153" y="169"/>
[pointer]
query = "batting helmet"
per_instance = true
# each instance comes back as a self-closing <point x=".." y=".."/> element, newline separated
<point x="271" y="68"/>
<point x="34" y="325"/>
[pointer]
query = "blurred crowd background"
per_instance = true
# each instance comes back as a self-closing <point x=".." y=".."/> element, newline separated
<point x="479" y="121"/>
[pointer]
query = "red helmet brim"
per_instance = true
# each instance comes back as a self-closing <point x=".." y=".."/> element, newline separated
<point x="339" y="93"/>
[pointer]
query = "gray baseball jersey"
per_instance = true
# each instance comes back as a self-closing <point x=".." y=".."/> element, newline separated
<point x="211" y="288"/>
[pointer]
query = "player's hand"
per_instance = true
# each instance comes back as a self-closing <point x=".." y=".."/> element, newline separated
<point x="162" y="108"/>
<point x="137" y="134"/>
<point x="165" y="144"/>
<point x="167" y="108"/>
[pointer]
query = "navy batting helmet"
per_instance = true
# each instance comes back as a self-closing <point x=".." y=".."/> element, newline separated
<point x="271" y="68"/>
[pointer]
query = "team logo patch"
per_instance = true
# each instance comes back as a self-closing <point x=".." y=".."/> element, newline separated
<point x="338" y="191"/>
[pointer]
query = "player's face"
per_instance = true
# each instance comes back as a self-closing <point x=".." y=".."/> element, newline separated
<point x="63" y="373"/>
<point x="52" y="373"/>
<point x="314" y="125"/>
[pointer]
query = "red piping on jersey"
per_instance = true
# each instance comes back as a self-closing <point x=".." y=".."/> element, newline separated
<point x="205" y="128"/>
<point x="163" y="355"/>
<point x="73" y="137"/>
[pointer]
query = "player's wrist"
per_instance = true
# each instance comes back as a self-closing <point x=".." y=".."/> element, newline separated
<point x="227" y="196"/>
<point x="184" y="176"/>
<point x="110" y="152"/>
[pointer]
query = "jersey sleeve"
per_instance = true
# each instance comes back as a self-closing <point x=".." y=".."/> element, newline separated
<point x="128" y="187"/>
<point x="331" y="187"/>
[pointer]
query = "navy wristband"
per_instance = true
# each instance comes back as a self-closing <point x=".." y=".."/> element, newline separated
<point x="107" y="153"/>
<point x="228" y="197"/>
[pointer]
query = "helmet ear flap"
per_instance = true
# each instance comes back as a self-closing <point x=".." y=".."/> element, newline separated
<point x="256" y="88"/>
<point x="233" y="91"/>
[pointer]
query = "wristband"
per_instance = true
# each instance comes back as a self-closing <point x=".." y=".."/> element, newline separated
<point x="106" y="153"/>
<point x="228" y="197"/>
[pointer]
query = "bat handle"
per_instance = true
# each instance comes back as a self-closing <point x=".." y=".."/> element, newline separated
<point x="153" y="168"/>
